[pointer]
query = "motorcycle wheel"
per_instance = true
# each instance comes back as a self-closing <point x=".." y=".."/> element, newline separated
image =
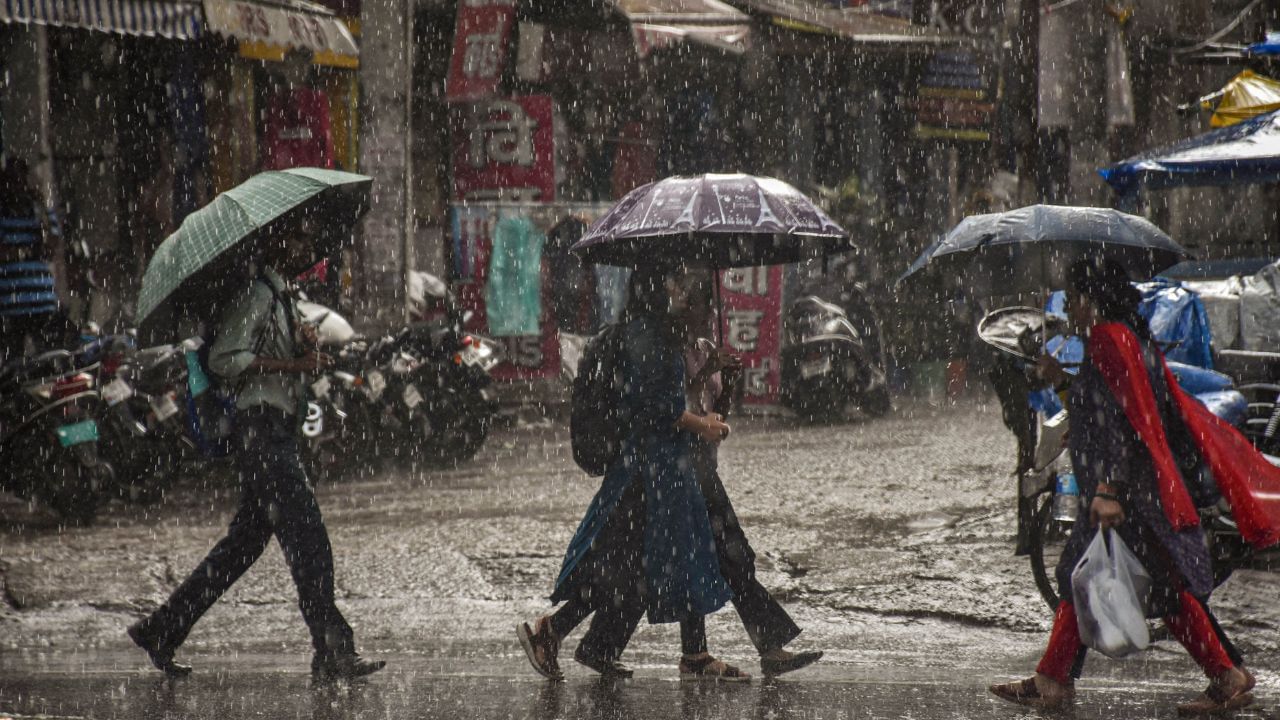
<point x="56" y="477"/>
<point x="75" y="490"/>
<point x="146" y="476"/>
<point x="450" y="430"/>
<point x="819" y="402"/>
<point x="335" y="457"/>
<point x="876" y="403"/>
<point x="145" y="467"/>
<point x="1048" y="540"/>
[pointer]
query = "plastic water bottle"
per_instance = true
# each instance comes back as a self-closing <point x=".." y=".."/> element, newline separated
<point x="1066" y="498"/>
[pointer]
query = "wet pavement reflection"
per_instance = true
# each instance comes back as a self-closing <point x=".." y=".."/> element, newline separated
<point x="250" y="686"/>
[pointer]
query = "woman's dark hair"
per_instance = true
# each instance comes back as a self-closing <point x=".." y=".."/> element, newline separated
<point x="647" y="297"/>
<point x="647" y="293"/>
<point x="1107" y="284"/>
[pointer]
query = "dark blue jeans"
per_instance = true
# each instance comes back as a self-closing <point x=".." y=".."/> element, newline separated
<point x="276" y="500"/>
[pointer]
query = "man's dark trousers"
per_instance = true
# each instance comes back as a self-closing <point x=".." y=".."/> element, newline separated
<point x="275" y="500"/>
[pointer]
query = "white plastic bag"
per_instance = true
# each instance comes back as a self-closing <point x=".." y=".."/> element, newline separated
<point x="1110" y="589"/>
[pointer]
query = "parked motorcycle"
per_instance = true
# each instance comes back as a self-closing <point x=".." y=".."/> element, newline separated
<point x="146" y="439"/>
<point x="49" y="435"/>
<point x="1049" y="502"/>
<point x="826" y="364"/>
<point x="447" y="402"/>
<point x="422" y="393"/>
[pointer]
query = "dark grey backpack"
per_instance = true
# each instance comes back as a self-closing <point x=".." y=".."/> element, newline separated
<point x="596" y="425"/>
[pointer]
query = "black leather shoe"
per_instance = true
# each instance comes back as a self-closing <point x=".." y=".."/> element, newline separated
<point x="785" y="662"/>
<point x="607" y="668"/>
<point x="161" y="655"/>
<point x="344" y="666"/>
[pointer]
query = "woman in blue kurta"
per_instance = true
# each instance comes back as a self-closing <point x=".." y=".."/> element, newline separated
<point x="645" y="544"/>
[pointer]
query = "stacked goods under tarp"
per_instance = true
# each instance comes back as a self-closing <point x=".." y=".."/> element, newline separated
<point x="1244" y="315"/>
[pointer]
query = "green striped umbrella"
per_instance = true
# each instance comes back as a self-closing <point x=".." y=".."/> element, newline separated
<point x="194" y="264"/>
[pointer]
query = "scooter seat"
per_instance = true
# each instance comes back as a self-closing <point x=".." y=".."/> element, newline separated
<point x="46" y="364"/>
<point x="1229" y="405"/>
<point x="1197" y="380"/>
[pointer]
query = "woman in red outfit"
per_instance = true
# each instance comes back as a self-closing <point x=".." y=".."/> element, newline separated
<point x="1135" y="441"/>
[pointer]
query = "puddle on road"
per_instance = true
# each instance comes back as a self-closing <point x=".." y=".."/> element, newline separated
<point x="931" y="520"/>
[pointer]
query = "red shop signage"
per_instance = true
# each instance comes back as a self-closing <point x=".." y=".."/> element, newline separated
<point x="504" y="149"/>
<point x="752" y="324"/>
<point x="479" y="49"/>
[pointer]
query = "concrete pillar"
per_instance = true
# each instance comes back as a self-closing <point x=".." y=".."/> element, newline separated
<point x="384" y="246"/>
<point x="24" y="100"/>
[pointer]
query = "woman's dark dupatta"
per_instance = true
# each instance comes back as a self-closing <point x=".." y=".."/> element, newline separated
<point x="1248" y="482"/>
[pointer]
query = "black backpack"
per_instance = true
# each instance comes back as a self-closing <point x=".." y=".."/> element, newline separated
<point x="596" y="425"/>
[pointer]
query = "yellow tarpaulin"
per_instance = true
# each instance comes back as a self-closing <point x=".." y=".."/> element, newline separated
<point x="1247" y="95"/>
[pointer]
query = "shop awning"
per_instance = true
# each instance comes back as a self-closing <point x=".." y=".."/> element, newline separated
<point x="1247" y="152"/>
<point x="657" y="24"/>
<point x="281" y="23"/>
<point x="151" y="18"/>
<point x="292" y="24"/>
<point x="849" y="24"/>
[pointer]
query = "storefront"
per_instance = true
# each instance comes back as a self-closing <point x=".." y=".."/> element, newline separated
<point x="142" y="111"/>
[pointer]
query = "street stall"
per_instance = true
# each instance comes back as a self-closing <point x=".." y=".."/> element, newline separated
<point x="1247" y="152"/>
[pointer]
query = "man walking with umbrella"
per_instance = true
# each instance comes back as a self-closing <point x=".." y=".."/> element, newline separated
<point x="263" y="351"/>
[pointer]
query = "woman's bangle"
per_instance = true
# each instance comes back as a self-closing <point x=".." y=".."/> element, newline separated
<point x="1107" y="496"/>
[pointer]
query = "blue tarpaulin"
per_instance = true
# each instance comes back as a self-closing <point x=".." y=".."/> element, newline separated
<point x="1178" y="321"/>
<point x="1248" y="152"/>
<point x="1270" y="46"/>
<point x="1176" y="316"/>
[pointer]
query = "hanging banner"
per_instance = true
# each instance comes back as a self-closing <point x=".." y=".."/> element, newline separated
<point x="752" y="324"/>
<point x="525" y="332"/>
<point x="504" y="150"/>
<point x="479" y="49"/>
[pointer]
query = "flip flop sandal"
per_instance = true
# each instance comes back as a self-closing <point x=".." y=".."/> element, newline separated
<point x="1025" y="692"/>
<point x="709" y="668"/>
<point x="529" y="641"/>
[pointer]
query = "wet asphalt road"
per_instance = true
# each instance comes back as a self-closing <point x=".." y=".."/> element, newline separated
<point x="890" y="541"/>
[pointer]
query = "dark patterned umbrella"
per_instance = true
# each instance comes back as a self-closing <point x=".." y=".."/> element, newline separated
<point x="719" y="221"/>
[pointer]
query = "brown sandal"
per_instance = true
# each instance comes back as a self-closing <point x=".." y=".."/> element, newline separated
<point x="708" y="667"/>
<point x="541" y="647"/>
<point x="1025" y="692"/>
<point x="1217" y="698"/>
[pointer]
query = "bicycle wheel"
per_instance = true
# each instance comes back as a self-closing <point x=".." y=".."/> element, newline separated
<point x="1048" y="540"/>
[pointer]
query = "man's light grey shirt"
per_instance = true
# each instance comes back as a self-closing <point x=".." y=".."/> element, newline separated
<point x="254" y="317"/>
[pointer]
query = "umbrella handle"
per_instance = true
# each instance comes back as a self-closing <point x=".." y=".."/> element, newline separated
<point x="717" y="279"/>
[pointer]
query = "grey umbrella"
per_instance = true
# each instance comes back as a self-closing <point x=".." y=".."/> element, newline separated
<point x="1032" y="248"/>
